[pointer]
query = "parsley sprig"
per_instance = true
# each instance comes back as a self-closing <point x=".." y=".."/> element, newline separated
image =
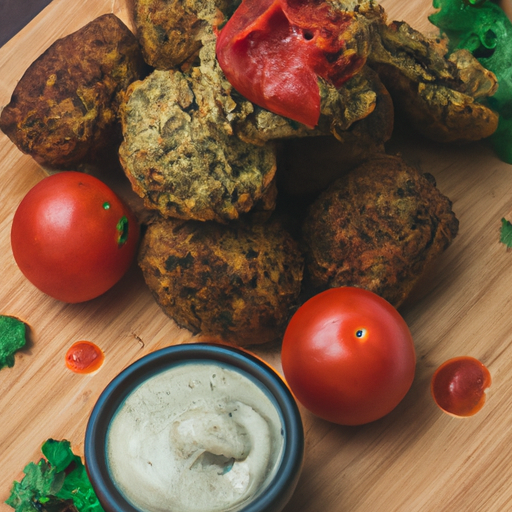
<point x="58" y="483"/>
<point x="506" y="233"/>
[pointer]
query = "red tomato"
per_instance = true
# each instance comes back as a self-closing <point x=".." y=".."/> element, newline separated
<point x="348" y="356"/>
<point x="72" y="237"/>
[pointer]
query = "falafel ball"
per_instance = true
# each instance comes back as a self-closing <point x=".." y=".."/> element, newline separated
<point x="442" y="96"/>
<point x="170" y="32"/>
<point x="63" y="111"/>
<point x="379" y="227"/>
<point x="180" y="154"/>
<point x="237" y="283"/>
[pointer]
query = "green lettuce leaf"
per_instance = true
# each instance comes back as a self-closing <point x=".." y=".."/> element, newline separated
<point x="506" y="233"/>
<point x="12" y="338"/>
<point x="59" y="454"/>
<point x="40" y="480"/>
<point x="58" y="483"/>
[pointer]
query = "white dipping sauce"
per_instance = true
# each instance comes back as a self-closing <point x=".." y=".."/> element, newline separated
<point x="194" y="438"/>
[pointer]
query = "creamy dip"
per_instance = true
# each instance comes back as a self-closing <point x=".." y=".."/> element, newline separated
<point x="196" y="437"/>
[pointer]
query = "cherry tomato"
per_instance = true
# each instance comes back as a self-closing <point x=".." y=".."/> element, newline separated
<point x="348" y="356"/>
<point x="458" y="386"/>
<point x="72" y="237"/>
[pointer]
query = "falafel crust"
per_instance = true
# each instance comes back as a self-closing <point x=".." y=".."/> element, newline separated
<point x="180" y="154"/>
<point x="63" y="111"/>
<point x="170" y="32"/>
<point x="440" y="96"/>
<point x="379" y="228"/>
<point x="236" y="283"/>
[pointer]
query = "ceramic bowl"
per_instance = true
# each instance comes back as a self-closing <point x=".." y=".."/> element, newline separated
<point x="276" y="492"/>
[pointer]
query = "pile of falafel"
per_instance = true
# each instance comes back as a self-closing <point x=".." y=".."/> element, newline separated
<point x="253" y="213"/>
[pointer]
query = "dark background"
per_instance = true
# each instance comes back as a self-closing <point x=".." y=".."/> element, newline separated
<point x="15" y="14"/>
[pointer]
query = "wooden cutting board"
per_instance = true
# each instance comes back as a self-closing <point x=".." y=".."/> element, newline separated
<point x="415" y="459"/>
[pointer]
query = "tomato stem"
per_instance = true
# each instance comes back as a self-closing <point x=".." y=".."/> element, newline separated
<point x="122" y="229"/>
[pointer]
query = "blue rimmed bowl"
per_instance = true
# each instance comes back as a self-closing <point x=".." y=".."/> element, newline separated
<point x="276" y="491"/>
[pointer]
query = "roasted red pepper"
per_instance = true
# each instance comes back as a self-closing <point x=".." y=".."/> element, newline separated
<point x="273" y="51"/>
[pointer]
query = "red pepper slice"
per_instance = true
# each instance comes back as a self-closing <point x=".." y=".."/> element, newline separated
<point x="273" y="51"/>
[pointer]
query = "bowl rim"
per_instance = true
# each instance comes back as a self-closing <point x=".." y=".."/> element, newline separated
<point x="277" y="491"/>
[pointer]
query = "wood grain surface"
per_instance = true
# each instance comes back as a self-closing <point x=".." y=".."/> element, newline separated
<point x="415" y="459"/>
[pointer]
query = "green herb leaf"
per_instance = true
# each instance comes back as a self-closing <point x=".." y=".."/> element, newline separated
<point x="78" y="488"/>
<point x="59" y="484"/>
<point x="58" y="453"/>
<point x="38" y="482"/>
<point x="506" y="233"/>
<point x="12" y="338"/>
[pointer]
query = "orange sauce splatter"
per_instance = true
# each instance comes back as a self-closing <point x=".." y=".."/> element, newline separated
<point x="84" y="357"/>
<point x="458" y="386"/>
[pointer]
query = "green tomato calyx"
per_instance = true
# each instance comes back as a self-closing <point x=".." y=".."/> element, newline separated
<point x="122" y="231"/>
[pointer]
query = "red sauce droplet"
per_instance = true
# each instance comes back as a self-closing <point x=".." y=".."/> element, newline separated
<point x="458" y="386"/>
<point x="84" y="357"/>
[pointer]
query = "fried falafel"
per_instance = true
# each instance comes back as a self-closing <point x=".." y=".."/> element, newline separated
<point x="63" y="111"/>
<point x="170" y="32"/>
<point x="440" y="96"/>
<point x="182" y="157"/>
<point x="379" y="227"/>
<point x="236" y="283"/>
